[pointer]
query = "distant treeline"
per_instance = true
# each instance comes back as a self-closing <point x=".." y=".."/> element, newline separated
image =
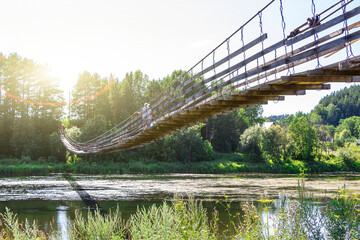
<point x="30" y="130"/>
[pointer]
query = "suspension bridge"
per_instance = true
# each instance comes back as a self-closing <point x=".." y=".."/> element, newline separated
<point x="258" y="71"/>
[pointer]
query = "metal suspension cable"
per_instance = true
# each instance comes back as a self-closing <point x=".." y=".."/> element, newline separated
<point x="211" y="52"/>
<point x="128" y="130"/>
<point x="314" y="22"/>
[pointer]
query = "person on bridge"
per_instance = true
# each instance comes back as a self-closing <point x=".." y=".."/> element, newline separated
<point x="146" y="115"/>
<point x="149" y="116"/>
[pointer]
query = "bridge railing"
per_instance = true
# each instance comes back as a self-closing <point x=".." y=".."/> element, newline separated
<point x="223" y="72"/>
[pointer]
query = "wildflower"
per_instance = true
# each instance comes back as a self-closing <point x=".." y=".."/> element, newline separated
<point x="341" y="191"/>
<point x="267" y="201"/>
<point x="337" y="216"/>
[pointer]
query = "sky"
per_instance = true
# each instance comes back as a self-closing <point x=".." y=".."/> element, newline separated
<point x="156" y="37"/>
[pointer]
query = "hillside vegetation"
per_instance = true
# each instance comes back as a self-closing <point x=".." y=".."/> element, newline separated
<point x="324" y="140"/>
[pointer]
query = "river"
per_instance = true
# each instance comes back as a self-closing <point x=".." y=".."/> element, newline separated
<point x="52" y="200"/>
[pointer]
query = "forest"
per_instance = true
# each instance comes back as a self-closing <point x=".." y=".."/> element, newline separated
<point x="323" y="140"/>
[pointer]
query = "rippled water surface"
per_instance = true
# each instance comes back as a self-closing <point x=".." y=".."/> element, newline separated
<point x="51" y="200"/>
<point x="159" y="187"/>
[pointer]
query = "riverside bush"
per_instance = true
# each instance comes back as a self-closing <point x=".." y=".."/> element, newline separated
<point x="350" y="154"/>
<point x="188" y="219"/>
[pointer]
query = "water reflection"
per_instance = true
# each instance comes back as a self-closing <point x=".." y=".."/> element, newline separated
<point x="55" y="199"/>
<point x="63" y="222"/>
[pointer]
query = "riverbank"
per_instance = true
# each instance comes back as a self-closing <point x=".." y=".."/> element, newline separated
<point x="223" y="163"/>
<point x="187" y="218"/>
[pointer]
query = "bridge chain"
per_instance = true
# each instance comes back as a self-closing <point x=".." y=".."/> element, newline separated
<point x="244" y="55"/>
<point x="283" y="26"/>
<point x="313" y="22"/>
<point x="262" y="42"/>
<point x="349" y="52"/>
<point x="187" y="99"/>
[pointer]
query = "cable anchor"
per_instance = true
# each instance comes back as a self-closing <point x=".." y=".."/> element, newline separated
<point x="314" y="21"/>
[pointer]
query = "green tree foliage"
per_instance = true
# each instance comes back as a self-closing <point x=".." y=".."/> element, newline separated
<point x="352" y="124"/>
<point x="185" y="146"/>
<point x="74" y="133"/>
<point x="93" y="127"/>
<point x="32" y="130"/>
<point x="224" y="132"/>
<point x="25" y="127"/>
<point x="276" y="118"/>
<point x="274" y="143"/>
<point x="339" y="105"/>
<point x="250" y="143"/>
<point x="350" y="154"/>
<point x="86" y="86"/>
<point x="189" y="147"/>
<point x="304" y="136"/>
<point x="286" y="121"/>
<point x="57" y="148"/>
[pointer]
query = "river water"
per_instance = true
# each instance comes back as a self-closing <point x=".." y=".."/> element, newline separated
<point x="52" y="200"/>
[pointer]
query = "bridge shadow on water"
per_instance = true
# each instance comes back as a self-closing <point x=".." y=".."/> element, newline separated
<point x="89" y="201"/>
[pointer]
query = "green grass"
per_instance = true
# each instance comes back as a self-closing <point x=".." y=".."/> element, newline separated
<point x="223" y="163"/>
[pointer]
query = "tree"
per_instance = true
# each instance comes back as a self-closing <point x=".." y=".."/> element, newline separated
<point x="189" y="146"/>
<point x="86" y="86"/>
<point x="56" y="147"/>
<point x="339" y="105"/>
<point x="25" y="127"/>
<point x="304" y="136"/>
<point x="250" y="143"/>
<point x="133" y="92"/>
<point x="274" y="143"/>
<point x="352" y="124"/>
<point x="224" y="132"/>
<point x="93" y="127"/>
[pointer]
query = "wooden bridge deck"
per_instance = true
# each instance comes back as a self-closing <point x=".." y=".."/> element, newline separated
<point x="346" y="71"/>
<point x="175" y="109"/>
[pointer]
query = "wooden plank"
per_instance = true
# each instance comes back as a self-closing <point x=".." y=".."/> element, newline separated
<point x="237" y="97"/>
<point x="303" y="57"/>
<point x="285" y="67"/>
<point x="322" y="79"/>
<point x="349" y="64"/>
<point x="261" y="76"/>
<point x="273" y="92"/>
<point x="294" y="87"/>
<point x="327" y="72"/>
<point x="136" y="137"/>
<point x="222" y="61"/>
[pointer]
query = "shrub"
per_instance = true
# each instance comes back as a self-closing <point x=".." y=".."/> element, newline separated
<point x="137" y="167"/>
<point x="98" y="226"/>
<point x="250" y="143"/>
<point x="209" y="151"/>
<point x="350" y="154"/>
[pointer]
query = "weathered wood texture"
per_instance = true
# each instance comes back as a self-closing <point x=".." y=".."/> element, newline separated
<point x="204" y="96"/>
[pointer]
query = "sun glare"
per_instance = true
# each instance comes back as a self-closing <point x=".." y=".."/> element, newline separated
<point x="67" y="76"/>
